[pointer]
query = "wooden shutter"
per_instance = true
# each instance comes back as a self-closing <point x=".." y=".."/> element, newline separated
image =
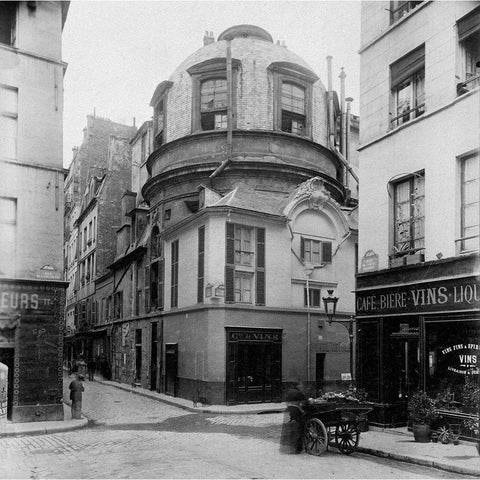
<point x="407" y="66"/>
<point x="230" y="244"/>
<point x="161" y="283"/>
<point x="147" y="289"/>
<point x="260" y="268"/>
<point x="326" y="252"/>
<point x="468" y="25"/>
<point x="229" y="283"/>
<point x="201" y="264"/>
<point x="302" y="248"/>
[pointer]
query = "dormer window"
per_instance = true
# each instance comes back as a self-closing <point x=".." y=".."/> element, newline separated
<point x="292" y="98"/>
<point x="213" y="104"/>
<point x="293" y="108"/>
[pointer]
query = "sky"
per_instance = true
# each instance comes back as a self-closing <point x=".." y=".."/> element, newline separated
<point x="118" y="51"/>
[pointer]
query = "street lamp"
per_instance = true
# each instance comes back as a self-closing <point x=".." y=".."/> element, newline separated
<point x="330" y="304"/>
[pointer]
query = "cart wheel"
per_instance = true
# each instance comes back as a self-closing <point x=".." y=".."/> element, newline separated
<point x="347" y="437"/>
<point x="315" y="437"/>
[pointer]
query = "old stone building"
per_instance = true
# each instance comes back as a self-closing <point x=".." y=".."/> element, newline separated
<point x="242" y="225"/>
<point x="99" y="174"/>
<point x="32" y="290"/>
<point x="418" y="287"/>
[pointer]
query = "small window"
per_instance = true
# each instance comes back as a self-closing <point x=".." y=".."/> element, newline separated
<point x="8" y="122"/>
<point x="400" y="8"/>
<point x="470" y="211"/>
<point x="293" y="109"/>
<point x="8" y="15"/>
<point x="315" y="298"/>
<point x="243" y="287"/>
<point x="315" y="251"/>
<point x="409" y="215"/>
<point x="167" y="215"/>
<point x="408" y="87"/>
<point x="213" y="104"/>
<point x="469" y="41"/>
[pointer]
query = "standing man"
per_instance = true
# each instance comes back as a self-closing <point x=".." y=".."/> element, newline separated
<point x="76" y="389"/>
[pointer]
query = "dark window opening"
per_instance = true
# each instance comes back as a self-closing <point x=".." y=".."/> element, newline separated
<point x="315" y="298"/>
<point x="401" y="8"/>
<point x="8" y="14"/>
<point x="469" y="40"/>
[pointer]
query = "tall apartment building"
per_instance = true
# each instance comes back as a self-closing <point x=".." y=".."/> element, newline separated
<point x="418" y="292"/>
<point x="32" y="290"/>
<point x="243" y="223"/>
<point x="99" y="174"/>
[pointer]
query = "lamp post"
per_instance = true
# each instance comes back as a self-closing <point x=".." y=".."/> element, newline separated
<point x="330" y="304"/>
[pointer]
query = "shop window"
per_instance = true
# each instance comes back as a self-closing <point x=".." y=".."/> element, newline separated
<point x="8" y="121"/>
<point x="315" y="298"/>
<point x="8" y="17"/>
<point x="201" y="264"/>
<point x="470" y="211"/>
<point x="409" y="215"/>
<point x="210" y="94"/>
<point x="213" y="104"/>
<point x="245" y="264"/>
<point x="469" y="41"/>
<point x="174" y="275"/>
<point x="315" y="251"/>
<point x="400" y="8"/>
<point x="8" y="233"/>
<point x="293" y="109"/>
<point x="408" y="87"/>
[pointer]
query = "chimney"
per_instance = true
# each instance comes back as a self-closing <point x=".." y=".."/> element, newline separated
<point x="208" y="38"/>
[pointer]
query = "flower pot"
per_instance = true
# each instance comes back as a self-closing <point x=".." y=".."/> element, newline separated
<point x="421" y="432"/>
<point x="455" y="442"/>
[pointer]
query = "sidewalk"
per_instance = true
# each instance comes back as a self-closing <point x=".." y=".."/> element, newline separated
<point x="10" y="429"/>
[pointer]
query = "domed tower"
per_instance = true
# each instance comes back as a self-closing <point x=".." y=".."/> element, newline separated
<point x="250" y="224"/>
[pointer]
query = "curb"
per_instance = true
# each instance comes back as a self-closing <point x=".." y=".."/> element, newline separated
<point x="188" y="408"/>
<point x="419" y="461"/>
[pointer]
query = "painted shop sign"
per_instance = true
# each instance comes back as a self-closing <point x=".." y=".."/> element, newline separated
<point x="22" y="298"/>
<point x="255" y="336"/>
<point x="463" y="358"/>
<point x="455" y="294"/>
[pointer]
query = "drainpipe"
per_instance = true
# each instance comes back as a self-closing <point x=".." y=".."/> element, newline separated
<point x="349" y="101"/>
<point x="331" y="125"/>
<point x="225" y="163"/>
<point x="342" y="111"/>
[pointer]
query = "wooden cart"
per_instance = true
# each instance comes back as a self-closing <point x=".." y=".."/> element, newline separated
<point x="333" y="424"/>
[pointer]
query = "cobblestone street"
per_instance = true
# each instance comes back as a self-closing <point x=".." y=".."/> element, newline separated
<point x="130" y="436"/>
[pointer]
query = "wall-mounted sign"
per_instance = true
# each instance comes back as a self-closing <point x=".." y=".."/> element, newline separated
<point x="254" y="336"/>
<point x="463" y="358"/>
<point x="369" y="262"/>
<point x="453" y="294"/>
<point x="22" y="297"/>
<point x="47" y="272"/>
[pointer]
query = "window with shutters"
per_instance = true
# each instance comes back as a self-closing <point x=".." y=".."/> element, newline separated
<point x="201" y="264"/>
<point x="245" y="264"/>
<point x="174" y="275"/>
<point x="468" y="29"/>
<point x="316" y="252"/>
<point x="408" y="87"/>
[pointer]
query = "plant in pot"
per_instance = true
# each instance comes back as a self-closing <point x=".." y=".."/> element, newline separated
<point x="422" y="411"/>
<point x="470" y="396"/>
<point x="473" y="424"/>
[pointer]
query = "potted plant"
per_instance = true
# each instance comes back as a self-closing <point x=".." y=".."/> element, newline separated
<point x="473" y="424"/>
<point x="422" y="411"/>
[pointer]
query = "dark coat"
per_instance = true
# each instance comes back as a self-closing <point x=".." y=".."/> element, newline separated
<point x="76" y="389"/>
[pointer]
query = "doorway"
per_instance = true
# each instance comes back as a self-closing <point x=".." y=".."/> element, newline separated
<point x="171" y="368"/>
<point x="7" y="356"/>
<point x="153" y="357"/>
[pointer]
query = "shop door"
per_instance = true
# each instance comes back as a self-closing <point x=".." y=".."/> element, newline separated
<point x="257" y="373"/>
<point x="171" y="368"/>
<point x="153" y="358"/>
<point x="6" y="357"/>
<point x="406" y="362"/>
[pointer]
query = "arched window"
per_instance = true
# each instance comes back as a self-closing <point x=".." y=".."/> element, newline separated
<point x="213" y="104"/>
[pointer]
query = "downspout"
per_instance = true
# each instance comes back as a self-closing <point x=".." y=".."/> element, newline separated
<point x="331" y="125"/>
<point x="342" y="113"/>
<point x="225" y="163"/>
<point x="349" y="100"/>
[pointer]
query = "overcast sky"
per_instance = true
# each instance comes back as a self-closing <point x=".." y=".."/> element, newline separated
<point x="119" y="51"/>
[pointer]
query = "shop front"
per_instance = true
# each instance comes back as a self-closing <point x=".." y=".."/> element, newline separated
<point x="416" y="335"/>
<point x="254" y="365"/>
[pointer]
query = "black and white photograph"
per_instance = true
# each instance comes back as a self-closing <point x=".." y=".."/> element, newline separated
<point x="240" y="239"/>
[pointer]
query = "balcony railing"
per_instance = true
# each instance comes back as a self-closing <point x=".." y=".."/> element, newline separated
<point x="408" y="115"/>
<point x="468" y="85"/>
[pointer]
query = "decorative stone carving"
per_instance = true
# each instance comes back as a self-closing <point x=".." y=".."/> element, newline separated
<point x="314" y="192"/>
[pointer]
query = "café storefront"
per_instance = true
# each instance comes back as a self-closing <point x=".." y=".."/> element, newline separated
<point x="416" y="334"/>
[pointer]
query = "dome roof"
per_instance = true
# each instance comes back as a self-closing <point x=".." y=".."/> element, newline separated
<point x="243" y="31"/>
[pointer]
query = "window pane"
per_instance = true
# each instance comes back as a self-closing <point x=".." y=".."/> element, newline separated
<point x="213" y="94"/>
<point x="220" y="121"/>
<point x="8" y="100"/>
<point x="293" y="98"/>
